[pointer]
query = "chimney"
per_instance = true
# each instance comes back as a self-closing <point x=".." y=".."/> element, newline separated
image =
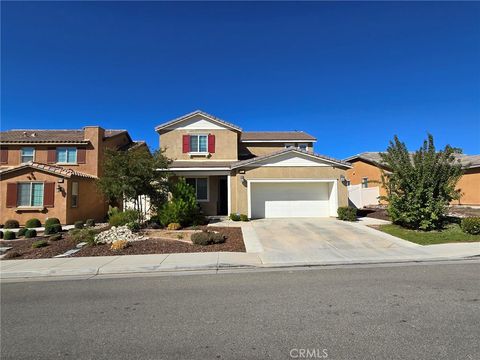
<point x="94" y="155"/>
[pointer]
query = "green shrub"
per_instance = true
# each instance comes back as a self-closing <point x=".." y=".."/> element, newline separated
<point x="50" y="229"/>
<point x="174" y="226"/>
<point x="31" y="233"/>
<point x="9" y="235"/>
<point x="55" y="237"/>
<point x="207" y="238"/>
<point x="347" y="213"/>
<point x="183" y="207"/>
<point x="90" y="222"/>
<point x="123" y="218"/>
<point x="79" y="224"/>
<point x="39" y="244"/>
<point x="33" y="223"/>
<point x="11" y="224"/>
<point x="134" y="226"/>
<point x="201" y="238"/>
<point x="234" y="217"/>
<point x="57" y="227"/>
<point x="21" y="232"/>
<point x="83" y="235"/>
<point x="471" y="225"/>
<point x="112" y="211"/>
<point x="51" y="221"/>
<point x="243" y="217"/>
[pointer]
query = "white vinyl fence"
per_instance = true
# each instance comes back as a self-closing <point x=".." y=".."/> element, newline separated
<point x="360" y="197"/>
<point x="142" y="205"/>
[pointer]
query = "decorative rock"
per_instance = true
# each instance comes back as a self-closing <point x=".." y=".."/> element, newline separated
<point x="117" y="233"/>
<point x="4" y="249"/>
<point x="80" y="245"/>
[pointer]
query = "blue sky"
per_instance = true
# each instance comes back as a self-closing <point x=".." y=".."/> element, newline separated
<point x="352" y="74"/>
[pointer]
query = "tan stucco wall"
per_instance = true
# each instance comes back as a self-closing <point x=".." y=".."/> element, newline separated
<point x="363" y="169"/>
<point x="240" y="193"/>
<point x="469" y="184"/>
<point x="91" y="203"/>
<point x="225" y="144"/>
<point x="259" y="149"/>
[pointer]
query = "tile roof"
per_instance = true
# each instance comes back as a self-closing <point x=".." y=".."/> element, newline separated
<point x="193" y="113"/>
<point x="284" y="151"/>
<point x="467" y="161"/>
<point x="276" y="135"/>
<point x="46" y="136"/>
<point x="57" y="170"/>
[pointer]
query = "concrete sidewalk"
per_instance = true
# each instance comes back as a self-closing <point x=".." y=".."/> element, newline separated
<point x="214" y="261"/>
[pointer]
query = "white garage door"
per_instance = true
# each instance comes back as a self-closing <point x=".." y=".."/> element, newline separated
<point x="303" y="199"/>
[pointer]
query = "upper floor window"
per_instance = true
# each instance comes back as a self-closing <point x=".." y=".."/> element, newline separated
<point x="303" y="146"/>
<point x="198" y="143"/>
<point x="201" y="187"/>
<point x="365" y="182"/>
<point x="30" y="194"/>
<point x="67" y="155"/>
<point x="27" y="154"/>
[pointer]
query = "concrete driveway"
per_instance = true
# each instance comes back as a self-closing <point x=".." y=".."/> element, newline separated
<point x="327" y="240"/>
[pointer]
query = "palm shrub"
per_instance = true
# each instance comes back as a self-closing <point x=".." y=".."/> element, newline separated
<point x="183" y="207"/>
<point x="33" y="223"/>
<point x="420" y="186"/>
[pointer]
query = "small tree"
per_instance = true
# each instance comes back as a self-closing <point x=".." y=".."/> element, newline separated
<point x="421" y="185"/>
<point x="132" y="173"/>
<point x="183" y="207"/>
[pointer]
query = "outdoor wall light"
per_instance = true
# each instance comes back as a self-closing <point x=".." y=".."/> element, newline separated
<point x="242" y="179"/>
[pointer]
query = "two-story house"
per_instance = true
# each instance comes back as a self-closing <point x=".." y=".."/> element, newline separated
<point x="52" y="173"/>
<point x="260" y="174"/>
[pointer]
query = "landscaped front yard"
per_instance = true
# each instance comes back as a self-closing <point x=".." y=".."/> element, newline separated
<point x="451" y="234"/>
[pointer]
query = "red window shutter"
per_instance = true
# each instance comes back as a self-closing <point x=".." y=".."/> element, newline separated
<point x="3" y="156"/>
<point x="186" y="143"/>
<point x="11" y="194"/>
<point x="211" y="143"/>
<point x="49" y="194"/>
<point x="52" y="156"/>
<point x="81" y="155"/>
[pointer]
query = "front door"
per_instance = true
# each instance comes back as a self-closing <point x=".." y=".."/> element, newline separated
<point x="222" y="196"/>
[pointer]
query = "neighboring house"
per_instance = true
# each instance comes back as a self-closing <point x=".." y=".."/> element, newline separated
<point x="260" y="174"/>
<point x="367" y="169"/>
<point x="52" y="173"/>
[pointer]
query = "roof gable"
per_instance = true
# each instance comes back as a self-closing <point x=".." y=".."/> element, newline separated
<point x="291" y="158"/>
<point x="197" y="120"/>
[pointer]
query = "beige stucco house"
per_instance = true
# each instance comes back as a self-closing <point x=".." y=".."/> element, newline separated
<point x="260" y="174"/>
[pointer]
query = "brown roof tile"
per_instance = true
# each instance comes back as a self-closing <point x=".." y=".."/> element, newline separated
<point x="57" y="170"/>
<point x="276" y="135"/>
<point x="54" y="136"/>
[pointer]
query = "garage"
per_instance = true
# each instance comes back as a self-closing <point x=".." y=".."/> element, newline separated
<point x="292" y="198"/>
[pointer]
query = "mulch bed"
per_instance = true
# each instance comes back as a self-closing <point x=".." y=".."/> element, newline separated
<point x="376" y="213"/>
<point x="25" y="251"/>
<point x="234" y="242"/>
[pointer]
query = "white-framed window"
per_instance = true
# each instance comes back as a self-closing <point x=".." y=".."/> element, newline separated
<point x="201" y="187"/>
<point x="27" y="154"/>
<point x="30" y="194"/>
<point x="199" y="143"/>
<point x="74" y="194"/>
<point x="289" y="145"/>
<point x="303" y="146"/>
<point x="67" y="155"/>
<point x="365" y="182"/>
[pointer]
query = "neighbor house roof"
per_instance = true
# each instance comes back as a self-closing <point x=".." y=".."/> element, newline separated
<point x="52" y="169"/>
<point x="50" y="136"/>
<point x="257" y="159"/>
<point x="467" y="161"/>
<point x="254" y="136"/>
<point x="194" y="113"/>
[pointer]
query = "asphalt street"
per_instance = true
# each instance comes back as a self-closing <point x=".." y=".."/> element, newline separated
<point x="390" y="312"/>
